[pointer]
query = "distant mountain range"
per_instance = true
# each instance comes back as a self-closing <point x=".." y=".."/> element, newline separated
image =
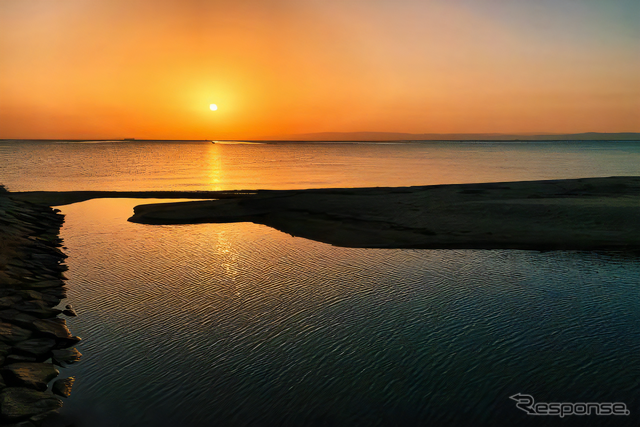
<point x="398" y="136"/>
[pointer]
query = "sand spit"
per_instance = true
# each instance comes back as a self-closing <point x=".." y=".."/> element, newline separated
<point x="60" y="198"/>
<point x="572" y="214"/>
<point x="33" y="338"/>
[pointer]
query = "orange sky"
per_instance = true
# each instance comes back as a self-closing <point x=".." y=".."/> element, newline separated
<point x="150" y="69"/>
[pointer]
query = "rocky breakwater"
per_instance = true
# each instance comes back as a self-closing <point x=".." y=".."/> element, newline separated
<point x="34" y="338"/>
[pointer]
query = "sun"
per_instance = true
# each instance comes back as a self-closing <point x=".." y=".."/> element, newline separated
<point x="213" y="107"/>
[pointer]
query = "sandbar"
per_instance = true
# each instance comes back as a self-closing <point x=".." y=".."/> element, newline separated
<point x="571" y="214"/>
<point x="567" y="214"/>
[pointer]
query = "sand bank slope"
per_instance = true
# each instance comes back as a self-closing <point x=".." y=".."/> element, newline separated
<point x="59" y="198"/>
<point x="589" y="213"/>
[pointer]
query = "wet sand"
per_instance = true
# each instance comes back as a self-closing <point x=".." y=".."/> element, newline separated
<point x="574" y="214"/>
<point x="60" y="198"/>
<point x="584" y="214"/>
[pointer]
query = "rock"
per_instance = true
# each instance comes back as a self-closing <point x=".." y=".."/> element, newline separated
<point x="21" y="424"/>
<point x="17" y="403"/>
<point x="56" y="292"/>
<point x="16" y="358"/>
<point x="17" y="318"/>
<point x="42" y="284"/>
<point x="20" y="272"/>
<point x="45" y="257"/>
<point x="54" y="328"/>
<point x="11" y="333"/>
<point x="30" y="375"/>
<point x="35" y="347"/>
<point x="62" y="267"/>
<point x="63" y="387"/>
<point x="4" y="349"/>
<point x="65" y="356"/>
<point x="6" y="280"/>
<point x="49" y="300"/>
<point x="7" y="292"/>
<point x="17" y="262"/>
<point x="37" y="308"/>
<point x="44" y="276"/>
<point x="38" y="419"/>
<point x="67" y="342"/>
<point x="70" y="312"/>
<point x="9" y="301"/>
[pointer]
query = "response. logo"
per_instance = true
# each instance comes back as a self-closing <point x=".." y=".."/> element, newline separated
<point x="527" y="404"/>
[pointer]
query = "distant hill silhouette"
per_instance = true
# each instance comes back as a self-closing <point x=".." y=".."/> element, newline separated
<point x="398" y="136"/>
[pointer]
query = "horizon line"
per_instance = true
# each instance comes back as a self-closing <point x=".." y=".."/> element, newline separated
<point x="364" y="136"/>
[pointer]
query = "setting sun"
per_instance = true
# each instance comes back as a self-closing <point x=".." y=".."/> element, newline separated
<point x="282" y="69"/>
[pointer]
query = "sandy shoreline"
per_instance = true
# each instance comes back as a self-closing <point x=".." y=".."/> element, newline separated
<point x="582" y="214"/>
<point x="61" y="198"/>
<point x="573" y="214"/>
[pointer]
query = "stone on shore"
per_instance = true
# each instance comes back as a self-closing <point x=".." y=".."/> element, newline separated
<point x="67" y="342"/>
<point x="31" y="286"/>
<point x="35" y="347"/>
<point x="11" y="333"/>
<point x="16" y="317"/>
<point x="44" y="284"/>
<point x="69" y="312"/>
<point x="54" y="328"/>
<point x="49" y="300"/>
<point x="4" y="349"/>
<point x="9" y="301"/>
<point x="17" y="358"/>
<point x="26" y="423"/>
<point x="30" y="375"/>
<point x="60" y="292"/>
<point x="63" y="387"/>
<point x="18" y="403"/>
<point x="37" y="308"/>
<point x="66" y="356"/>
<point x="6" y="280"/>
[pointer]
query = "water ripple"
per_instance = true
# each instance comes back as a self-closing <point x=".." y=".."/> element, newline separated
<point x="238" y="324"/>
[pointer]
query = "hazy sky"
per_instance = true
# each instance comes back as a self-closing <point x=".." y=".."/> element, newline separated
<point x="150" y="69"/>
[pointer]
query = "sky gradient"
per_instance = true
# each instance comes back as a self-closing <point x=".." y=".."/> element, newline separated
<point x="150" y="69"/>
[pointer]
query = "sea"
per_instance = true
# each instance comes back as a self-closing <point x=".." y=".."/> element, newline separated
<point x="243" y="325"/>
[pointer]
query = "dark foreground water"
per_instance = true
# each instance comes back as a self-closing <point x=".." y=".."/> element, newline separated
<point x="239" y="324"/>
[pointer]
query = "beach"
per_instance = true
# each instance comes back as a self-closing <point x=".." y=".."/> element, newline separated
<point x="577" y="214"/>
<point x="573" y="214"/>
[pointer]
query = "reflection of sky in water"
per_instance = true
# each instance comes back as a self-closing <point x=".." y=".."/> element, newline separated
<point x="216" y="324"/>
<point x="205" y="166"/>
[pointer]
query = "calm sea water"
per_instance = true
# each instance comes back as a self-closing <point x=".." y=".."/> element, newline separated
<point x="205" y="166"/>
<point x="239" y="324"/>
